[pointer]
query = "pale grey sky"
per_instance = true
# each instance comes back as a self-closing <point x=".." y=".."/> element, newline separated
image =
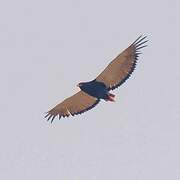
<point x="47" y="47"/>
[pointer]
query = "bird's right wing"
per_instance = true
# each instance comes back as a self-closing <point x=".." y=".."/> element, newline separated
<point x="76" y="104"/>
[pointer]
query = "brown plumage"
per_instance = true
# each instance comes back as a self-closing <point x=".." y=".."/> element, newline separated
<point x="76" y="104"/>
<point x="116" y="73"/>
<point x="122" y="66"/>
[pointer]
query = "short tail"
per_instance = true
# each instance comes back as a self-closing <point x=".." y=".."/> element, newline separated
<point x="110" y="97"/>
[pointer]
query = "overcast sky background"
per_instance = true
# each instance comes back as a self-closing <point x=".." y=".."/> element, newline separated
<point x="46" y="48"/>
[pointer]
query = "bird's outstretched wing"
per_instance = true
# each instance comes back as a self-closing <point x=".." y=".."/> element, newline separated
<point x="120" y="69"/>
<point x="76" y="104"/>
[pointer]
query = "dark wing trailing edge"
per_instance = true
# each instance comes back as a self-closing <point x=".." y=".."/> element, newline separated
<point x="121" y="68"/>
<point x="87" y="109"/>
<point x="76" y="104"/>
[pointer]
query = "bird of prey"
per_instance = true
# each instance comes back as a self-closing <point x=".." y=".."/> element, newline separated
<point x="90" y="94"/>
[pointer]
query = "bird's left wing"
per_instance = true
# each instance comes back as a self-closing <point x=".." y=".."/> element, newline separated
<point x="76" y="104"/>
<point x="119" y="70"/>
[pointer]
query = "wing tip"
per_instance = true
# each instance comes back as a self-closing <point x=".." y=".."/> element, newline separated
<point x="50" y="117"/>
<point x="140" y="42"/>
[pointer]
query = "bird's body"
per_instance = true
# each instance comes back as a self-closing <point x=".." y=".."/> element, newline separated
<point x="95" y="89"/>
<point x="115" y="74"/>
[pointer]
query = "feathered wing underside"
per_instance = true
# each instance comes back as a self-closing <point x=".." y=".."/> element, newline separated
<point x="76" y="104"/>
<point x="120" y="69"/>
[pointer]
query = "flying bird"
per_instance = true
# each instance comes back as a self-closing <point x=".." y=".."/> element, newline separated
<point x="90" y="94"/>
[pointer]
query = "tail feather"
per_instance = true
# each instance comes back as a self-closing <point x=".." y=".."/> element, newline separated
<point x="110" y="97"/>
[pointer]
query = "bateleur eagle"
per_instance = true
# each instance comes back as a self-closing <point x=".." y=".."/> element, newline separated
<point x="116" y="73"/>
